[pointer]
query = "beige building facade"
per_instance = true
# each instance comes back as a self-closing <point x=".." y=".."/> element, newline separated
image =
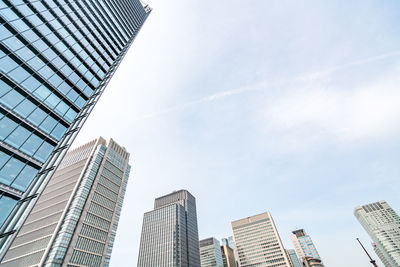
<point x="74" y="221"/>
<point x="228" y="256"/>
<point x="258" y="242"/>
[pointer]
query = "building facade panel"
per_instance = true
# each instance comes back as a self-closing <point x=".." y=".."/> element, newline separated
<point x="210" y="253"/>
<point x="74" y="223"/>
<point x="163" y="237"/>
<point x="169" y="233"/>
<point x="304" y="246"/>
<point x="258" y="243"/>
<point x="382" y="224"/>
<point x="228" y="256"/>
<point x="293" y="257"/>
<point x="56" y="57"/>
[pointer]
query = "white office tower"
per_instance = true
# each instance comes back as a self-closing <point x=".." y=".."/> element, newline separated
<point x="75" y="219"/>
<point x="383" y="226"/>
<point x="210" y="253"/>
<point x="258" y="243"/>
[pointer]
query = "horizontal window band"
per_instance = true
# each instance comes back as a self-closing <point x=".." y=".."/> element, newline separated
<point x="20" y="156"/>
<point x="65" y="43"/>
<point x="45" y="60"/>
<point x="34" y="100"/>
<point x="30" y="127"/>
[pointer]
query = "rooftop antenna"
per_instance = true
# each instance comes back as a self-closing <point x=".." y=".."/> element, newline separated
<point x="371" y="260"/>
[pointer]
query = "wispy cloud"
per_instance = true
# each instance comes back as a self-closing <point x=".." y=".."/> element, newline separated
<point x="306" y="117"/>
<point x="294" y="82"/>
<point x="209" y="98"/>
<point x="323" y="73"/>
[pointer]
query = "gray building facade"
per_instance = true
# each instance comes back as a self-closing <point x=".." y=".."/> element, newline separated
<point x="169" y="233"/>
<point x="56" y="57"/>
<point x="74" y="221"/>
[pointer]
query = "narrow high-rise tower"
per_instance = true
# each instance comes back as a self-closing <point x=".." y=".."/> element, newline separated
<point x="228" y="256"/>
<point x="169" y="233"/>
<point x="304" y="246"/>
<point x="230" y="243"/>
<point x="382" y="224"/>
<point x="56" y="57"/>
<point x="258" y="243"/>
<point x="74" y="221"/>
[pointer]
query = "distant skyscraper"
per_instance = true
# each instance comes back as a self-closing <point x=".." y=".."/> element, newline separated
<point x="228" y="256"/>
<point x="293" y="257"/>
<point x="229" y="242"/>
<point x="303" y="245"/>
<point x="74" y="221"/>
<point x="169" y="233"/>
<point x="383" y="226"/>
<point x="56" y="57"/>
<point x="258" y="243"/>
<point x="210" y="253"/>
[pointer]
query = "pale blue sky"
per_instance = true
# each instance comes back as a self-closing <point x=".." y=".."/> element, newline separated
<point x="284" y="106"/>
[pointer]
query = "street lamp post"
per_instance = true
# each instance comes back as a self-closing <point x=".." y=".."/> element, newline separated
<point x="371" y="260"/>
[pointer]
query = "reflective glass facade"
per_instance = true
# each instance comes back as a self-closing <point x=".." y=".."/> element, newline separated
<point x="74" y="221"/>
<point x="169" y="233"/>
<point x="56" y="57"/>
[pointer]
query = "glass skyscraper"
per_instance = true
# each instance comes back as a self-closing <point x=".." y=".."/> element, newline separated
<point x="56" y="57"/>
<point x="382" y="224"/>
<point x="169" y="233"/>
<point x="75" y="219"/>
<point x="304" y="246"/>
